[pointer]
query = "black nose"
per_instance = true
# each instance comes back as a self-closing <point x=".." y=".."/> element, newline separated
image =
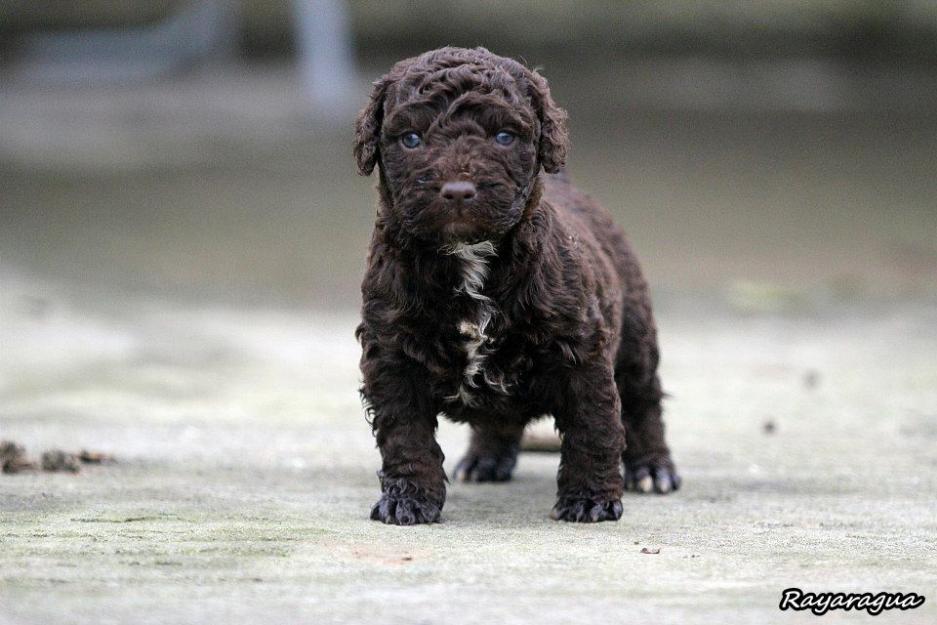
<point x="458" y="191"/>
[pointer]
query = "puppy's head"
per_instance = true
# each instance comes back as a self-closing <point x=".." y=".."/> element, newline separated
<point x="459" y="137"/>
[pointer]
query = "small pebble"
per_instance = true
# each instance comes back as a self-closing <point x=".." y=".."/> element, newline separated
<point x="811" y="379"/>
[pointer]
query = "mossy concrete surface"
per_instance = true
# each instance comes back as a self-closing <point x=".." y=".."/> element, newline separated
<point x="245" y="472"/>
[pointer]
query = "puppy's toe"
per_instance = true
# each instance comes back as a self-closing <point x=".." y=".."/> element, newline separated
<point x="465" y="469"/>
<point x="639" y="479"/>
<point x="384" y="509"/>
<point x="666" y="481"/>
<point x="406" y="512"/>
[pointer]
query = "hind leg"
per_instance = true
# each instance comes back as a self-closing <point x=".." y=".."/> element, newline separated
<point x="648" y="465"/>
<point x="492" y="454"/>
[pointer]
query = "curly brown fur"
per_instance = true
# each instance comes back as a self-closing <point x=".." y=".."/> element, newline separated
<point x="496" y="294"/>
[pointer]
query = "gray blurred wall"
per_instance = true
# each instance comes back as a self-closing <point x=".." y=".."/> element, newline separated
<point x="864" y="28"/>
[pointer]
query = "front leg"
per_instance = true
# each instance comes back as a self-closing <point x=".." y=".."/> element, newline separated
<point x="413" y="486"/>
<point x="590" y="482"/>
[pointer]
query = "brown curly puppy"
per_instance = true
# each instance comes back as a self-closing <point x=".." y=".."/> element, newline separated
<point x="495" y="295"/>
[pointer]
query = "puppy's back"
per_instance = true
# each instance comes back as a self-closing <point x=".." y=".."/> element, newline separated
<point x="585" y="217"/>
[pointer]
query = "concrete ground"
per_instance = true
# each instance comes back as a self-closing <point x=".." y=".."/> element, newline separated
<point x="178" y="285"/>
<point x="246" y="470"/>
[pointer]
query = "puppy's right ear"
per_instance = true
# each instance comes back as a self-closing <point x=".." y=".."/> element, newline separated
<point x="368" y="128"/>
<point x="554" y="135"/>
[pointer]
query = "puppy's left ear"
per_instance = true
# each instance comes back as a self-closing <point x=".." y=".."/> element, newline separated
<point x="554" y="135"/>
<point x="368" y="128"/>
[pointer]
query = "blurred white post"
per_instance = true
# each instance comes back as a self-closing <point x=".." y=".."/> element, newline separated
<point x="193" y="34"/>
<point x="325" y="61"/>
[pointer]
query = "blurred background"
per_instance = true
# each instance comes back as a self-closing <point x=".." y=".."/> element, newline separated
<point x="765" y="152"/>
<point x="182" y="239"/>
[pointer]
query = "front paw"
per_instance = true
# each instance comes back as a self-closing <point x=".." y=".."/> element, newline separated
<point x="405" y="503"/>
<point x="580" y="509"/>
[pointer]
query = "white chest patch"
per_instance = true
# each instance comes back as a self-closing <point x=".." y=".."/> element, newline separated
<point x="474" y="269"/>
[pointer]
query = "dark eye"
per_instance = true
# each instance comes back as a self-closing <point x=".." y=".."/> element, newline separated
<point x="504" y="138"/>
<point x="411" y="140"/>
